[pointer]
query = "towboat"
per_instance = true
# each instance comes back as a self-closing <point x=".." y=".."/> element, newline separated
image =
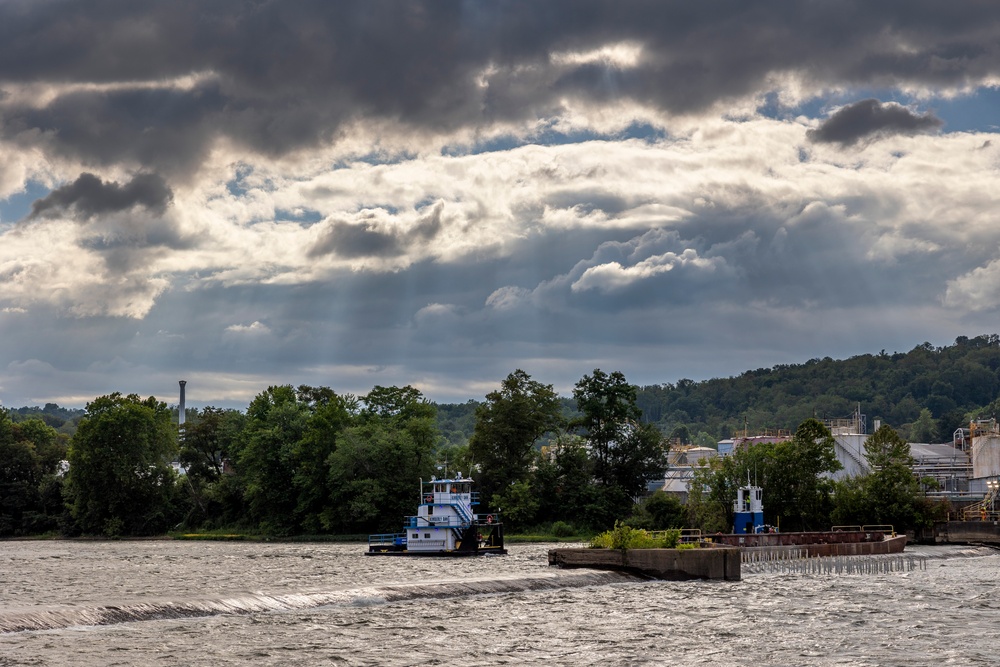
<point x="446" y="524"/>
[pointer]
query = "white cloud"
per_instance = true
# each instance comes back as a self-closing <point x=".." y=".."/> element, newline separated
<point x="255" y="328"/>
<point x="976" y="290"/>
<point x="613" y="276"/>
<point x="621" y="55"/>
<point x="507" y="297"/>
<point x="433" y="311"/>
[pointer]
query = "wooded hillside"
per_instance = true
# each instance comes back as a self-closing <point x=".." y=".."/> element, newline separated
<point x="952" y="384"/>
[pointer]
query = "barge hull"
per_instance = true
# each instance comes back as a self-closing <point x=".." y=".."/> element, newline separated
<point x="820" y="543"/>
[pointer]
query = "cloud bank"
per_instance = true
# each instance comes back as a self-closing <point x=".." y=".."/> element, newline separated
<point x="439" y="192"/>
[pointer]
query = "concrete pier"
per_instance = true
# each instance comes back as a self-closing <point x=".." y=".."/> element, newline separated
<point x="966" y="532"/>
<point x="670" y="564"/>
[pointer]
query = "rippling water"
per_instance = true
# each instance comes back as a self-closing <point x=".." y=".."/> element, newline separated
<point x="220" y="603"/>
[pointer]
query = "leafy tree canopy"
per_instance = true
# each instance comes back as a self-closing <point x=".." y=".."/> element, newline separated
<point x="120" y="481"/>
<point x="889" y="494"/>
<point x="508" y="425"/>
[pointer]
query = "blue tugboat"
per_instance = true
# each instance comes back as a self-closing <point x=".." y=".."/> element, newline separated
<point x="445" y="525"/>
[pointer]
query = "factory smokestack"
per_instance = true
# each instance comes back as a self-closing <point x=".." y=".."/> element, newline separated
<point x="180" y="408"/>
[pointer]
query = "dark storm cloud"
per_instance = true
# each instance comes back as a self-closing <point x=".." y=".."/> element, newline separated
<point x="276" y="76"/>
<point x="871" y="119"/>
<point x="126" y="223"/>
<point x="356" y="240"/>
<point x="364" y="239"/>
<point x="89" y="196"/>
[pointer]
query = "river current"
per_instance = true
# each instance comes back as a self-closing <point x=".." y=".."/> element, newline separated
<point x="234" y="603"/>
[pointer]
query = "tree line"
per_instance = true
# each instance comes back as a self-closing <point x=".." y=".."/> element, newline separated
<point x="926" y="393"/>
<point x="307" y="460"/>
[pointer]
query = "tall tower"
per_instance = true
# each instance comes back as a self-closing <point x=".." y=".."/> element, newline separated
<point x="180" y="408"/>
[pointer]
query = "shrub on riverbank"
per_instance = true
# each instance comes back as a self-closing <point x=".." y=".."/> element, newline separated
<point x="623" y="536"/>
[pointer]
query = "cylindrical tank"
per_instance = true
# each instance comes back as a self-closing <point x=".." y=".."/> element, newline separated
<point x="986" y="455"/>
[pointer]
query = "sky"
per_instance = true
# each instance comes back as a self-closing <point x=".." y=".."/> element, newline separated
<point x="436" y="193"/>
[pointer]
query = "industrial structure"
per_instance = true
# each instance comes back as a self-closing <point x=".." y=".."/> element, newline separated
<point x="965" y="472"/>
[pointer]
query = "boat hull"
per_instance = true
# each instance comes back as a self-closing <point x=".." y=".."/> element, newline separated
<point x="434" y="554"/>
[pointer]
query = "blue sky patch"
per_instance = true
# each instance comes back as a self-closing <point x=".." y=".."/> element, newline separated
<point x="18" y="206"/>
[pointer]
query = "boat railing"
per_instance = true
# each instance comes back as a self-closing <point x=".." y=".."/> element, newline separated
<point x="386" y="539"/>
<point x="880" y="528"/>
<point x="446" y="522"/>
<point x="487" y="519"/>
<point x="687" y="534"/>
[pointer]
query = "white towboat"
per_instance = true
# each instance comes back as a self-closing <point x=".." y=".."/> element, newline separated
<point x="446" y="524"/>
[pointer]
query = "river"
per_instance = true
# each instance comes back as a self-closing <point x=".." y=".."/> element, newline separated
<point x="239" y="603"/>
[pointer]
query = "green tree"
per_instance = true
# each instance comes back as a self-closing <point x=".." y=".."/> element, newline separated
<point x="889" y="494"/>
<point x="563" y="483"/>
<point x="208" y="439"/>
<point x="660" y="511"/>
<point x="265" y="458"/>
<point x="709" y="507"/>
<point x="519" y="504"/>
<point x="608" y="407"/>
<point x="375" y="469"/>
<point x="208" y="443"/>
<point x="50" y="445"/>
<point x="329" y="416"/>
<point x="703" y="439"/>
<point x="20" y="475"/>
<point x="626" y="453"/>
<point x="30" y="451"/>
<point x="925" y="429"/>
<point x="508" y="425"/>
<point x="120" y="481"/>
<point x="797" y="486"/>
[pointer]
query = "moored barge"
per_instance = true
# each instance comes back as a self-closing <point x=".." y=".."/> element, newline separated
<point x="750" y="532"/>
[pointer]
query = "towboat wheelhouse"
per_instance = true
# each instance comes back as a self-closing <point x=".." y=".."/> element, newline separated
<point x="748" y="510"/>
<point x="446" y="524"/>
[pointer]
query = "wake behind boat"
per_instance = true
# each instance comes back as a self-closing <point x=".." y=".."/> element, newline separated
<point x="445" y="525"/>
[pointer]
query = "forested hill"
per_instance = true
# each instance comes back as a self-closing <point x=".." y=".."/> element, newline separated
<point x="949" y="385"/>
<point x="63" y="420"/>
